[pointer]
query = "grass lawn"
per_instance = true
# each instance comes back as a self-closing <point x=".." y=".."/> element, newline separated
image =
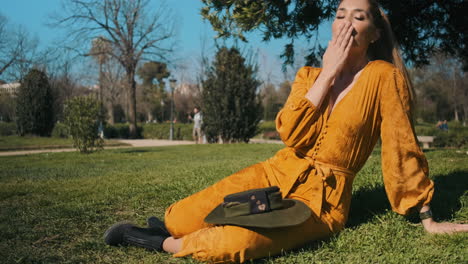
<point x="55" y="207"/>
<point x="12" y="143"/>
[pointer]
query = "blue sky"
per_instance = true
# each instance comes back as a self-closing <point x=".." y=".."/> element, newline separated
<point x="33" y="15"/>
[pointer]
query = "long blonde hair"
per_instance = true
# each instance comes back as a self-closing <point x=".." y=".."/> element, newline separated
<point x="386" y="47"/>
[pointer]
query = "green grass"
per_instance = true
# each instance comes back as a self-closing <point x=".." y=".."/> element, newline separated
<point x="12" y="143"/>
<point x="54" y="207"/>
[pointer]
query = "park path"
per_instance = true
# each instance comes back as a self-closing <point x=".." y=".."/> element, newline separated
<point x="132" y="143"/>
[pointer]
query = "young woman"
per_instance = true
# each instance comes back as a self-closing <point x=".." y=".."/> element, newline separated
<point x="329" y="124"/>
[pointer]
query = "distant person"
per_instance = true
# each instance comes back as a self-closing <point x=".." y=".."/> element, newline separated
<point x="330" y="124"/>
<point x="444" y="126"/>
<point x="101" y="130"/>
<point x="197" y="133"/>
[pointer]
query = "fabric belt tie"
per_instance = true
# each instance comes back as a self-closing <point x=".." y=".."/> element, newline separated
<point x="322" y="174"/>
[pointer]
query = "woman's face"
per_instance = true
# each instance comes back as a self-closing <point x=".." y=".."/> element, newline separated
<point x="357" y="13"/>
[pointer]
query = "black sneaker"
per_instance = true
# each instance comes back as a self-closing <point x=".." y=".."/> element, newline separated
<point x="158" y="226"/>
<point x="128" y="234"/>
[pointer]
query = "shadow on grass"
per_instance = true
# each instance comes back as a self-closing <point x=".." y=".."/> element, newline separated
<point x="127" y="151"/>
<point x="310" y="246"/>
<point x="429" y="150"/>
<point x="449" y="188"/>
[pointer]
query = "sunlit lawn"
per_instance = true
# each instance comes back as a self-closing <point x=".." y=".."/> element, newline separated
<point x="11" y="143"/>
<point x="55" y="207"/>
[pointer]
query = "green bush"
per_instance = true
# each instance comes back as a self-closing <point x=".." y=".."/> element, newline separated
<point x="121" y="131"/>
<point x="457" y="139"/>
<point x="456" y="136"/>
<point x="150" y="131"/>
<point x="161" y="131"/>
<point x="425" y="130"/>
<point x="82" y="115"/>
<point x="60" y="131"/>
<point x="267" y="130"/>
<point x="7" y="129"/>
<point x="116" y="131"/>
<point x="266" y="126"/>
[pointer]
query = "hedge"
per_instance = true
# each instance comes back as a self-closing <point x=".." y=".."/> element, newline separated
<point x="119" y="131"/>
<point x="150" y="131"/>
<point x="456" y="136"/>
<point x="266" y="126"/>
<point x="161" y="131"/>
<point x="60" y="131"/>
<point x="7" y="129"/>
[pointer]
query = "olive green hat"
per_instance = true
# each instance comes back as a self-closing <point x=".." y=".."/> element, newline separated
<point x="259" y="208"/>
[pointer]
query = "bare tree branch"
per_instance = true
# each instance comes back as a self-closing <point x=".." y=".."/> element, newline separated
<point x="124" y="25"/>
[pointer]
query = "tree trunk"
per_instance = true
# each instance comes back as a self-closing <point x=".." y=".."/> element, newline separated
<point x="456" y="115"/>
<point x="465" y="114"/>
<point x="150" y="116"/>
<point x="132" y="102"/>
<point x="110" y="111"/>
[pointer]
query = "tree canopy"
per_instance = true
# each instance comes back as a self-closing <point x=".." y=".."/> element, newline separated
<point x="231" y="108"/>
<point x="34" y="105"/>
<point x="152" y="93"/>
<point x="422" y="27"/>
<point x="153" y="70"/>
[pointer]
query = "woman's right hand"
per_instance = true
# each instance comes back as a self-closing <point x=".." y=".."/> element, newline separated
<point x="337" y="51"/>
<point x="333" y="61"/>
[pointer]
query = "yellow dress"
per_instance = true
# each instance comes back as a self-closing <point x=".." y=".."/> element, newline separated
<point x="323" y="153"/>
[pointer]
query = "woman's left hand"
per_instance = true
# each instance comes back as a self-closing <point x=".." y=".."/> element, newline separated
<point x="434" y="227"/>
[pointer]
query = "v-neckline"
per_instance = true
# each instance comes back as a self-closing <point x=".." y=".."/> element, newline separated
<point x="329" y="113"/>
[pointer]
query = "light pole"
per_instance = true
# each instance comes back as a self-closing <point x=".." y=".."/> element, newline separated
<point x="172" y="84"/>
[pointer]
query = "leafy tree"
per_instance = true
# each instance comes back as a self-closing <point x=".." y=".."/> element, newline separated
<point x="231" y="108"/>
<point x="82" y="118"/>
<point x="186" y="98"/>
<point x="7" y="107"/>
<point x="422" y="27"/>
<point x="153" y="93"/>
<point x="34" y="105"/>
<point x="283" y="91"/>
<point x="269" y="101"/>
<point x="273" y="98"/>
<point x="441" y="90"/>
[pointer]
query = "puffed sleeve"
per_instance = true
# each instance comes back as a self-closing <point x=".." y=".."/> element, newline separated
<point x="404" y="166"/>
<point x="295" y="123"/>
